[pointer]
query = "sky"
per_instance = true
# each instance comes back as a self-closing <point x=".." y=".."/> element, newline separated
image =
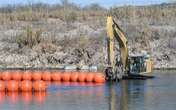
<point x="105" y="3"/>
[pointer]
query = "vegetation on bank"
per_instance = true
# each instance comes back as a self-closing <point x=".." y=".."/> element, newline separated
<point x="66" y="11"/>
<point x="69" y="34"/>
<point x="70" y="12"/>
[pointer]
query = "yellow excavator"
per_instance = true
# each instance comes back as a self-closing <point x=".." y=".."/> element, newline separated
<point x="126" y="67"/>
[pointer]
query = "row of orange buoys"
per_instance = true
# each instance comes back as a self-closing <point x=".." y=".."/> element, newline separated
<point x="37" y="80"/>
<point x="24" y="86"/>
<point x="53" y="76"/>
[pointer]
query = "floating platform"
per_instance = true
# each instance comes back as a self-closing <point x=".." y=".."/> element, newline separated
<point x="137" y="77"/>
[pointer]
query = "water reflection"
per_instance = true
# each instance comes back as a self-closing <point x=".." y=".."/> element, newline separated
<point x="132" y="94"/>
<point x="97" y="96"/>
<point x="26" y="97"/>
<point x="114" y="96"/>
<point x="152" y="94"/>
<point x="12" y="97"/>
<point x="126" y="95"/>
<point x="2" y="97"/>
<point x="39" y="97"/>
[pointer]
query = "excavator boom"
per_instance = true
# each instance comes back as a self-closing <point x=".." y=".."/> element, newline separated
<point x="115" y="33"/>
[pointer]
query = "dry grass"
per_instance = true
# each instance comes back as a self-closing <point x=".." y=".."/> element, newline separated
<point x="36" y="12"/>
<point x="159" y="14"/>
<point x="155" y="15"/>
<point x="29" y="37"/>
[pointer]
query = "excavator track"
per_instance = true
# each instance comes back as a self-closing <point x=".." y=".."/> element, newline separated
<point x="114" y="76"/>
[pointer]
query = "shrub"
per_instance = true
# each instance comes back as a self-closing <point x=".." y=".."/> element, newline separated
<point x="29" y="37"/>
<point x="70" y="16"/>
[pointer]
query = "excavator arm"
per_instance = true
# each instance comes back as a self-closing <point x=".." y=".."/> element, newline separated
<point x="115" y="33"/>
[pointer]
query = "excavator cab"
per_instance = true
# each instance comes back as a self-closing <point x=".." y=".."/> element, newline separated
<point x="139" y="67"/>
<point x="139" y="64"/>
<point x="136" y="64"/>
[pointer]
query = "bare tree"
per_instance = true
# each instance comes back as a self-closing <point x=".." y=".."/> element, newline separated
<point x="65" y="3"/>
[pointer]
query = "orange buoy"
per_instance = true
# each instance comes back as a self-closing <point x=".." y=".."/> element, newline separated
<point x="2" y="86"/>
<point x="37" y="75"/>
<point x="26" y="86"/>
<point x="27" y="75"/>
<point x="99" y="78"/>
<point x="56" y="76"/>
<point x="82" y="77"/>
<point x="6" y="76"/>
<point x="46" y="76"/>
<point x="12" y="85"/>
<point x="16" y="75"/>
<point x="66" y="76"/>
<point x="39" y="86"/>
<point x="90" y="77"/>
<point x="74" y="77"/>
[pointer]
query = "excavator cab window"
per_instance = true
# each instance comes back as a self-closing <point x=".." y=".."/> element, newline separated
<point x="137" y="64"/>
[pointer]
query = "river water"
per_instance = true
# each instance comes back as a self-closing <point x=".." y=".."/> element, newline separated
<point x="152" y="94"/>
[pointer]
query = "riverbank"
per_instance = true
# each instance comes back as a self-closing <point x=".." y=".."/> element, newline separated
<point x="76" y="36"/>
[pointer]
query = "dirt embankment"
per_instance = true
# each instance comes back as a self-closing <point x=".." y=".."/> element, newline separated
<point x="49" y="40"/>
